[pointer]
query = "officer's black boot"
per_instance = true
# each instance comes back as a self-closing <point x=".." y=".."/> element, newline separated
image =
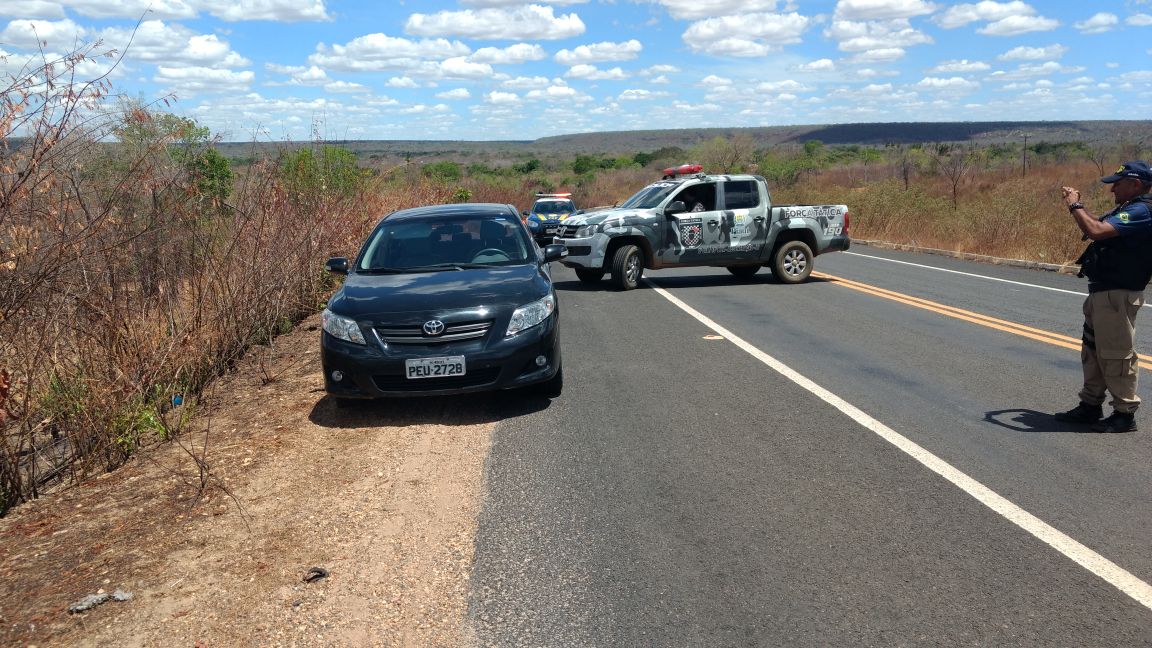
<point x="1082" y="413"/>
<point x="1117" y="422"/>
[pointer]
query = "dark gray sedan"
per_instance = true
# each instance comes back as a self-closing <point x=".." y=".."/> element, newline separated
<point x="445" y="299"/>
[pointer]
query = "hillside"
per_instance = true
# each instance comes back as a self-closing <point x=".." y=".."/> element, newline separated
<point x="629" y="142"/>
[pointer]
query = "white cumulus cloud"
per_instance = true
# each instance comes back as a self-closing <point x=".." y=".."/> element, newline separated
<point x="375" y="52"/>
<point x="599" y="52"/>
<point x="1098" y="24"/>
<point x="961" y="66"/>
<point x="881" y="9"/>
<point x="513" y="54"/>
<point x="854" y="36"/>
<point x="746" y="35"/>
<point x="1016" y="25"/>
<point x="1024" y="53"/>
<point x="61" y="34"/>
<point x="697" y="9"/>
<point x="522" y="22"/>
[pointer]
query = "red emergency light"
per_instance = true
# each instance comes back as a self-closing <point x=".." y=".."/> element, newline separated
<point x="684" y="169"/>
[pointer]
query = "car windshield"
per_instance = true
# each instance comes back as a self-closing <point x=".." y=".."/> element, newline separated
<point x="548" y="207"/>
<point x="650" y="196"/>
<point x="453" y="243"/>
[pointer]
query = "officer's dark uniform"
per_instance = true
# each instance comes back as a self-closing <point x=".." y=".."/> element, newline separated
<point x="1118" y="269"/>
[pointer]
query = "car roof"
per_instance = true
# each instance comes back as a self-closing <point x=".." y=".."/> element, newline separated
<point x="455" y="209"/>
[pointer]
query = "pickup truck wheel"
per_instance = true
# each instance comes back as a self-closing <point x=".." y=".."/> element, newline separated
<point x="792" y="262"/>
<point x="744" y="271"/>
<point x="627" y="267"/>
<point x="589" y="275"/>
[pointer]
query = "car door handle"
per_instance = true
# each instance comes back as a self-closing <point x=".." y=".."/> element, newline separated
<point x="758" y="219"/>
<point x="713" y="222"/>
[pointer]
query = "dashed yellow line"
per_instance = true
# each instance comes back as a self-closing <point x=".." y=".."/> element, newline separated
<point x="1029" y="332"/>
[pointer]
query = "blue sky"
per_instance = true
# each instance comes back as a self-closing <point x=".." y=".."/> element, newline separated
<point x="275" y="70"/>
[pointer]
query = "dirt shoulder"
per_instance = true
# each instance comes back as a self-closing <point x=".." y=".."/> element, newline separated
<point x="384" y="497"/>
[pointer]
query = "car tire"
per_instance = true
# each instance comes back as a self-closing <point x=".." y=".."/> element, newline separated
<point x="552" y="387"/>
<point x="743" y="271"/>
<point x="627" y="267"/>
<point x="589" y="275"/>
<point x="792" y="262"/>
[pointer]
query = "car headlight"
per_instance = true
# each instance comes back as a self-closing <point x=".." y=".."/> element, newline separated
<point x="585" y="231"/>
<point x="530" y="315"/>
<point x="342" y="327"/>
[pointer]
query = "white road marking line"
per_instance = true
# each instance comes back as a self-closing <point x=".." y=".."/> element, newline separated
<point x="969" y="274"/>
<point x="1109" y="571"/>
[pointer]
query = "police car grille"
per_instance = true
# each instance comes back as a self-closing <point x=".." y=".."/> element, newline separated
<point x="453" y="332"/>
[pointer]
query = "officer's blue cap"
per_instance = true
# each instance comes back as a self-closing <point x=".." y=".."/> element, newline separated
<point x="1135" y="169"/>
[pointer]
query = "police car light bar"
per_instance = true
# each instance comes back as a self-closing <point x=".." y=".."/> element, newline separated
<point x="553" y="195"/>
<point x="684" y="169"/>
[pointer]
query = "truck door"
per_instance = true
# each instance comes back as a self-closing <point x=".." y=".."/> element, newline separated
<point x="745" y="219"/>
<point x="697" y="234"/>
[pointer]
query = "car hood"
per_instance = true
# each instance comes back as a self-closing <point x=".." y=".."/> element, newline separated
<point x="497" y="288"/>
<point x="597" y="217"/>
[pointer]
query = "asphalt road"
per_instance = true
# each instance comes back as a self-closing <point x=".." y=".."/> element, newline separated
<point x="682" y="492"/>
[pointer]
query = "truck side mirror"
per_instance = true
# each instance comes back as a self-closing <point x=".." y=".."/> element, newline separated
<point x="675" y="207"/>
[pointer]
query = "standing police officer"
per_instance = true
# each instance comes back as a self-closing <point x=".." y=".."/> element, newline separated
<point x="1118" y="264"/>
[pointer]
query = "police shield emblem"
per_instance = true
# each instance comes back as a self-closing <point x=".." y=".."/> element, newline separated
<point x="691" y="232"/>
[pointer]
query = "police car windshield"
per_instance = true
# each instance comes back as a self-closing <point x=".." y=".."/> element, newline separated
<point x="650" y="196"/>
<point x="554" y="207"/>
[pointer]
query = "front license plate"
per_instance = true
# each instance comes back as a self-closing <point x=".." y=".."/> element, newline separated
<point x="435" y="367"/>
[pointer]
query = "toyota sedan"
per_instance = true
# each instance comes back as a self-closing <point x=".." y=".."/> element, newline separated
<point x="446" y="299"/>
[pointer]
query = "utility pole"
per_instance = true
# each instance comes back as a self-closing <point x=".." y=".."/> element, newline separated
<point x="1024" y="169"/>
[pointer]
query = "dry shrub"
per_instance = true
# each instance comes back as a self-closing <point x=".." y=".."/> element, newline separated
<point x="123" y="289"/>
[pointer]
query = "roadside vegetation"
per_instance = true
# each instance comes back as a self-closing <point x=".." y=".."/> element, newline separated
<point x="137" y="262"/>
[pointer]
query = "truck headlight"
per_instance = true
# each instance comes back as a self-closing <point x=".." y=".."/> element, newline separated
<point x="530" y="315"/>
<point x="342" y="327"/>
<point x="584" y="231"/>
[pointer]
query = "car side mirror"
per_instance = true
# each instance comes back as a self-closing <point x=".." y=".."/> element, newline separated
<point x="555" y="252"/>
<point x="337" y="265"/>
<point x="676" y="207"/>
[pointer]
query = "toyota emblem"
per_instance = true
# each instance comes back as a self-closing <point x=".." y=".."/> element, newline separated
<point x="433" y="327"/>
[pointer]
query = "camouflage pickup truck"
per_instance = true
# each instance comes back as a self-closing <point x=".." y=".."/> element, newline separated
<point x="702" y="220"/>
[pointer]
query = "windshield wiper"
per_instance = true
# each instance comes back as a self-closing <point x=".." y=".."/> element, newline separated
<point x="382" y="270"/>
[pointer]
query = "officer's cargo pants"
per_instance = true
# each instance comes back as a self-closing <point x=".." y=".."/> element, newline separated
<point x="1108" y="349"/>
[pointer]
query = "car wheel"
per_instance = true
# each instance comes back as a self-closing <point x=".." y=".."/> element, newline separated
<point x="589" y="275"/>
<point x="552" y="387"/>
<point x="792" y="262"/>
<point x="744" y="271"/>
<point x="627" y="267"/>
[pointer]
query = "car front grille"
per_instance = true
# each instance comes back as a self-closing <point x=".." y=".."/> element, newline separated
<point x="568" y="231"/>
<point x="476" y="378"/>
<point x="453" y="332"/>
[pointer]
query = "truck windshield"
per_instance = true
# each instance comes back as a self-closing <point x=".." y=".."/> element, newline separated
<point x="650" y="196"/>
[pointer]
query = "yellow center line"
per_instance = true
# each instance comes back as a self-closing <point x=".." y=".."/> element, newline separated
<point x="1039" y="335"/>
